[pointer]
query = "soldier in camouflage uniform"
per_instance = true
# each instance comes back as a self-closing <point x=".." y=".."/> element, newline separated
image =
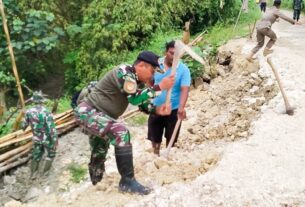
<point x="99" y="147"/>
<point x="44" y="134"/>
<point x="98" y="112"/>
<point x="297" y="6"/>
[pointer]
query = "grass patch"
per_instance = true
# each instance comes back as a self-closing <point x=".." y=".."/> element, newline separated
<point x="221" y="32"/>
<point x="64" y="104"/>
<point x="138" y="120"/>
<point x="77" y="172"/>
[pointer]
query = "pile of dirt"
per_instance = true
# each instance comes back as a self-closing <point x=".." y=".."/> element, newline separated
<point x="217" y="112"/>
<point x="232" y="101"/>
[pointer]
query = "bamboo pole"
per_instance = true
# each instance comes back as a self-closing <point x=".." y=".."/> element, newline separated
<point x="57" y="116"/>
<point x="197" y="39"/>
<point x="14" y="164"/>
<point x="15" y="135"/>
<point x="238" y="16"/>
<point x="14" y="152"/>
<point x="20" y="139"/>
<point x="10" y="48"/>
<point x="71" y="122"/>
<point x="63" y="118"/>
<point x="15" y="157"/>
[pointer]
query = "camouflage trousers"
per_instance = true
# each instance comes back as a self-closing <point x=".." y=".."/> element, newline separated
<point x="99" y="124"/>
<point x="39" y="148"/>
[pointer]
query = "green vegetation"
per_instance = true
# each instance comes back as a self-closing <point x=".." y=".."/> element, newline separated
<point x="63" y="104"/>
<point x="107" y="37"/>
<point x="221" y="32"/>
<point x="77" y="172"/>
<point x="7" y="127"/>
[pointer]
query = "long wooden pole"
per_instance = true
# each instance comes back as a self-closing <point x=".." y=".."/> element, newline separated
<point x="10" y="48"/>
<point x="171" y="142"/>
<point x="289" y="108"/>
<point x="238" y="16"/>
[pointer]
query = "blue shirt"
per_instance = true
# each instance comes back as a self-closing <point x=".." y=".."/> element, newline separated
<point x="182" y="78"/>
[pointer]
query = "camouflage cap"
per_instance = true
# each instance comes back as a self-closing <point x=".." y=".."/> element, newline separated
<point x="38" y="97"/>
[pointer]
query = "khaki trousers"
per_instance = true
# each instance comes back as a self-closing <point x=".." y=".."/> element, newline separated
<point x="260" y="35"/>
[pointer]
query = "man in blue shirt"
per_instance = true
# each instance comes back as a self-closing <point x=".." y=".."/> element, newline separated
<point x="157" y="125"/>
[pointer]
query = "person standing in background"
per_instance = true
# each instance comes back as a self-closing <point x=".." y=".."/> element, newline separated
<point x="263" y="5"/>
<point x="298" y="5"/>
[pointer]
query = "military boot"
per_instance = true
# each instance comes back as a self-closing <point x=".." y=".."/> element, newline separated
<point x="124" y="163"/>
<point x="34" y="169"/>
<point x="267" y="52"/>
<point x="96" y="169"/>
<point x="47" y="167"/>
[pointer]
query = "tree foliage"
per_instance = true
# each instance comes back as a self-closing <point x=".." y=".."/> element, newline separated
<point x="86" y="38"/>
<point x="33" y="35"/>
<point x="112" y="28"/>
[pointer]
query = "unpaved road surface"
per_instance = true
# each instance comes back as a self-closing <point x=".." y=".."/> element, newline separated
<point x="238" y="147"/>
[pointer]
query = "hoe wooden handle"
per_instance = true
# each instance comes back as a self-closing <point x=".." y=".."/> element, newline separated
<point x="289" y="109"/>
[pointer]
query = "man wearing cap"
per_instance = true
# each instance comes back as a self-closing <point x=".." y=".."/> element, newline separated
<point x="263" y="29"/>
<point x="106" y="102"/>
<point x="44" y="134"/>
<point x="157" y="125"/>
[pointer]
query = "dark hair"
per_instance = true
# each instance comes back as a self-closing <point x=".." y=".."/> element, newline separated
<point x="277" y="3"/>
<point x="169" y="45"/>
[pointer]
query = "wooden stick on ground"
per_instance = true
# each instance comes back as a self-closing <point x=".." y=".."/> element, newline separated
<point x="171" y="142"/>
<point x="15" y="157"/>
<point x="19" y="139"/>
<point x="15" y="151"/>
<point x="13" y="164"/>
<point x="289" y="109"/>
<point x="253" y="28"/>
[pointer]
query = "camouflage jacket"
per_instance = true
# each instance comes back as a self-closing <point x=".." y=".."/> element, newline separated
<point x="43" y="127"/>
<point x="118" y="88"/>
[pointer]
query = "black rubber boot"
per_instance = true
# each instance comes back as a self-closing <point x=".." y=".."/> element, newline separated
<point x="96" y="169"/>
<point x="124" y="162"/>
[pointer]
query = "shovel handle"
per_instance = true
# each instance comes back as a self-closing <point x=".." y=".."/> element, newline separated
<point x="170" y="144"/>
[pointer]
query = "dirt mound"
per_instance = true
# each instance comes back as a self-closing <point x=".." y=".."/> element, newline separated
<point x="232" y="101"/>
